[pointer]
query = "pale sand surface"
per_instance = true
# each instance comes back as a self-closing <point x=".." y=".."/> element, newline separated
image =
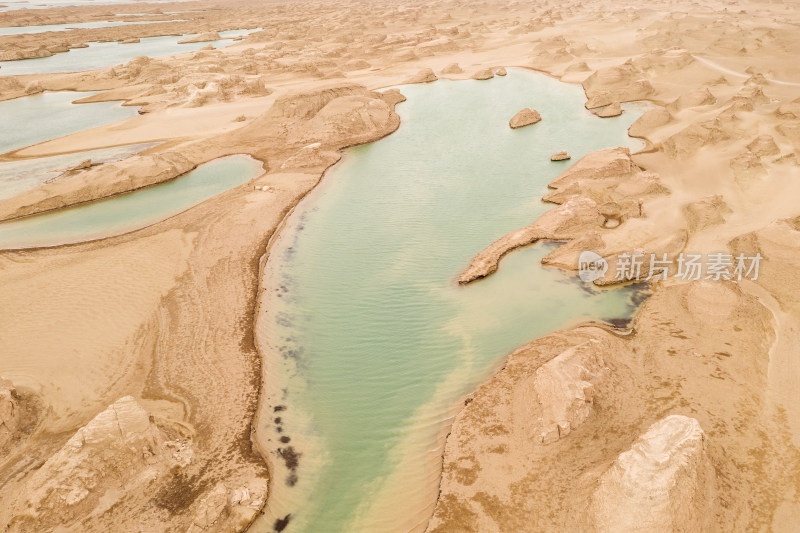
<point x="165" y="314"/>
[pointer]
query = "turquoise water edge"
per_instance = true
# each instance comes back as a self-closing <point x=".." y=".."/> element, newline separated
<point x="368" y="339"/>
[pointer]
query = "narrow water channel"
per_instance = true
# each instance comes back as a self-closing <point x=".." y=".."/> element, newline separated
<point x="131" y="211"/>
<point x="101" y="55"/>
<point x="368" y="341"/>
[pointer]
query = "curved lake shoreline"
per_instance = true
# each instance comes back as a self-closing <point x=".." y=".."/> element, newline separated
<point x="309" y="452"/>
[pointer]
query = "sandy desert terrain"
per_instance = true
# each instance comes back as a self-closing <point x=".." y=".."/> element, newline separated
<point x="131" y="377"/>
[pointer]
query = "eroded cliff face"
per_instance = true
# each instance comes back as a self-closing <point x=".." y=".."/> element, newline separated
<point x="665" y="482"/>
<point x="655" y="430"/>
<point x="121" y="451"/>
<point x="10" y="414"/>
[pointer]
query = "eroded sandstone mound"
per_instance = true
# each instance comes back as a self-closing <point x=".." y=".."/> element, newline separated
<point x="452" y="68"/>
<point x="637" y="451"/>
<point x="525" y="117"/>
<point x="425" y="75"/>
<point x="698" y="97"/>
<point x="9" y="412"/>
<point x="649" y="121"/>
<point x="664" y="483"/>
<point x="565" y="386"/>
<point x="483" y="74"/>
<point x="121" y="448"/>
<point x="621" y="83"/>
<point x="706" y="212"/>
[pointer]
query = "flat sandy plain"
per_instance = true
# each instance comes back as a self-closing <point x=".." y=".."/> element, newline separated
<point x="131" y="373"/>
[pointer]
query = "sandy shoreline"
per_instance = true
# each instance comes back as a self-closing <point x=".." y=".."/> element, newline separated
<point x="196" y="284"/>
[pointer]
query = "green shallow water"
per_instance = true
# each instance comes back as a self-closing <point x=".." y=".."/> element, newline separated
<point x="38" y="118"/>
<point x="131" y="211"/>
<point x="369" y="342"/>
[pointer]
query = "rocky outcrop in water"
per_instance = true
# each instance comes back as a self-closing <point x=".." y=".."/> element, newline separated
<point x="335" y="116"/>
<point x="525" y="117"/>
<point x="559" y="223"/>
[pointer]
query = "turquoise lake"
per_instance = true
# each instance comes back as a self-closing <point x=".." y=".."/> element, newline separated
<point x="368" y="340"/>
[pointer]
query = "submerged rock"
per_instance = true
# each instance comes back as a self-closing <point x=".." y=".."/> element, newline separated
<point x="525" y="117"/>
